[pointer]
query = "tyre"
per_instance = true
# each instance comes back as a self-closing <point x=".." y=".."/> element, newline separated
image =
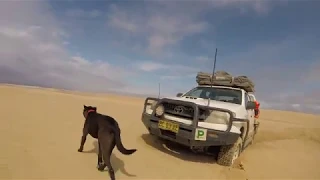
<point x="229" y="153"/>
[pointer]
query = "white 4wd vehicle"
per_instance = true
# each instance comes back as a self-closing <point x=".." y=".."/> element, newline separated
<point x="227" y="121"/>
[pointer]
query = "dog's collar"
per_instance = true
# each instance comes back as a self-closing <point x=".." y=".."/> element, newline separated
<point x="89" y="111"/>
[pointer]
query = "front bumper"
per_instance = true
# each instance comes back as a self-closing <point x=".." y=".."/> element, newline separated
<point x="186" y="134"/>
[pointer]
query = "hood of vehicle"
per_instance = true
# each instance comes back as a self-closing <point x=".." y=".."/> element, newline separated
<point x="213" y="103"/>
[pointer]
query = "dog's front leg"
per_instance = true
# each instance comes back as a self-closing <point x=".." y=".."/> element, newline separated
<point x="84" y="137"/>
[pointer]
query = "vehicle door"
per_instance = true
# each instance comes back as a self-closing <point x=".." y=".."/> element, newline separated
<point x="250" y="115"/>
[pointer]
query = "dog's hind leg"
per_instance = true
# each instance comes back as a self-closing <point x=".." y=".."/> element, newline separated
<point x="108" y="160"/>
<point x="99" y="155"/>
<point x="107" y="145"/>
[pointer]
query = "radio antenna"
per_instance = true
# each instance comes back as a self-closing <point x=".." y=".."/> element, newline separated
<point x="213" y="70"/>
<point x="159" y="92"/>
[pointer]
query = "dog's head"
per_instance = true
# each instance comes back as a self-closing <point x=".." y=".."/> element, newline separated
<point x="88" y="109"/>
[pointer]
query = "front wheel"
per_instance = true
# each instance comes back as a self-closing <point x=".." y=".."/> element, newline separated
<point x="229" y="153"/>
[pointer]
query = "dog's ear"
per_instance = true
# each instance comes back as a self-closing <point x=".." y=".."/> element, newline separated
<point x="94" y="108"/>
<point x="85" y="107"/>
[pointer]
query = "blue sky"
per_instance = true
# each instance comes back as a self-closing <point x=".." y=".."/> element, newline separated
<point x="131" y="46"/>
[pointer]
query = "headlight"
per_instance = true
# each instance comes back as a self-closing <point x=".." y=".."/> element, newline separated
<point x="160" y="110"/>
<point x="150" y="108"/>
<point x="218" y="117"/>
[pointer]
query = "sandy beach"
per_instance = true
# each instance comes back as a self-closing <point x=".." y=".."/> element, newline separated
<point x="41" y="130"/>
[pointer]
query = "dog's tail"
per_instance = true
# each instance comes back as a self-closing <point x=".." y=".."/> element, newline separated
<point x="119" y="144"/>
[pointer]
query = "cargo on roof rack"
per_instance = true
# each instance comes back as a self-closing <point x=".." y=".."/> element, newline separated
<point x="222" y="78"/>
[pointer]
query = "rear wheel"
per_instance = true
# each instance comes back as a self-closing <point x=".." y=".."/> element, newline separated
<point x="229" y="153"/>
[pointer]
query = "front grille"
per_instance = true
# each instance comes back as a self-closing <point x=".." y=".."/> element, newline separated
<point x="178" y="110"/>
<point x="185" y="112"/>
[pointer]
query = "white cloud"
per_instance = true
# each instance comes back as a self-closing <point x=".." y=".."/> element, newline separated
<point x="202" y="59"/>
<point x="162" y="24"/>
<point x="168" y="30"/>
<point x="32" y="52"/>
<point x="296" y="106"/>
<point x="150" y="66"/>
<point x="281" y="83"/>
<point x="316" y="108"/>
<point x="304" y="102"/>
<point x="120" y="19"/>
<point x="80" y="13"/>
<point x="14" y="33"/>
<point x="159" y="29"/>
<point x="193" y="75"/>
<point x="173" y="69"/>
<point x="259" y="6"/>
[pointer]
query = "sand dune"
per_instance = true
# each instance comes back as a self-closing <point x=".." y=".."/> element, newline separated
<point x="41" y="130"/>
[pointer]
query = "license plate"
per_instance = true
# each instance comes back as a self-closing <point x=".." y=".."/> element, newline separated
<point x="166" y="125"/>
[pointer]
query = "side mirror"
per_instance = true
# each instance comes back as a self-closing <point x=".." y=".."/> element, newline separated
<point x="251" y="105"/>
<point x="179" y="94"/>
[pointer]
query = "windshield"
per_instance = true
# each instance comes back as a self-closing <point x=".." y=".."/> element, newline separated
<point x="216" y="93"/>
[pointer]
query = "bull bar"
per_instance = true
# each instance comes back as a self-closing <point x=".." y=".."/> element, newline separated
<point x="193" y="105"/>
<point x="225" y="136"/>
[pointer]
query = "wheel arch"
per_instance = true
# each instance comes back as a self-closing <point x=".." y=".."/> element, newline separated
<point x="242" y="132"/>
<point x="243" y="125"/>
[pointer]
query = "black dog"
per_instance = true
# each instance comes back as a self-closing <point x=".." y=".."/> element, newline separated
<point x="107" y="131"/>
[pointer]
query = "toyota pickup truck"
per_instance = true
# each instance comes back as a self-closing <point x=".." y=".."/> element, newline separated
<point x="203" y="118"/>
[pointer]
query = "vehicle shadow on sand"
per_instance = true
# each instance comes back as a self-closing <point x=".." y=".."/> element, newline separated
<point x="176" y="150"/>
<point x="117" y="163"/>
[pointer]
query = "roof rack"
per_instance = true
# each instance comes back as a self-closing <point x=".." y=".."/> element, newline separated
<point x="222" y="78"/>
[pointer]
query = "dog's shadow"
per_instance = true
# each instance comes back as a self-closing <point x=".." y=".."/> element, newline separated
<point x="178" y="151"/>
<point x="117" y="163"/>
